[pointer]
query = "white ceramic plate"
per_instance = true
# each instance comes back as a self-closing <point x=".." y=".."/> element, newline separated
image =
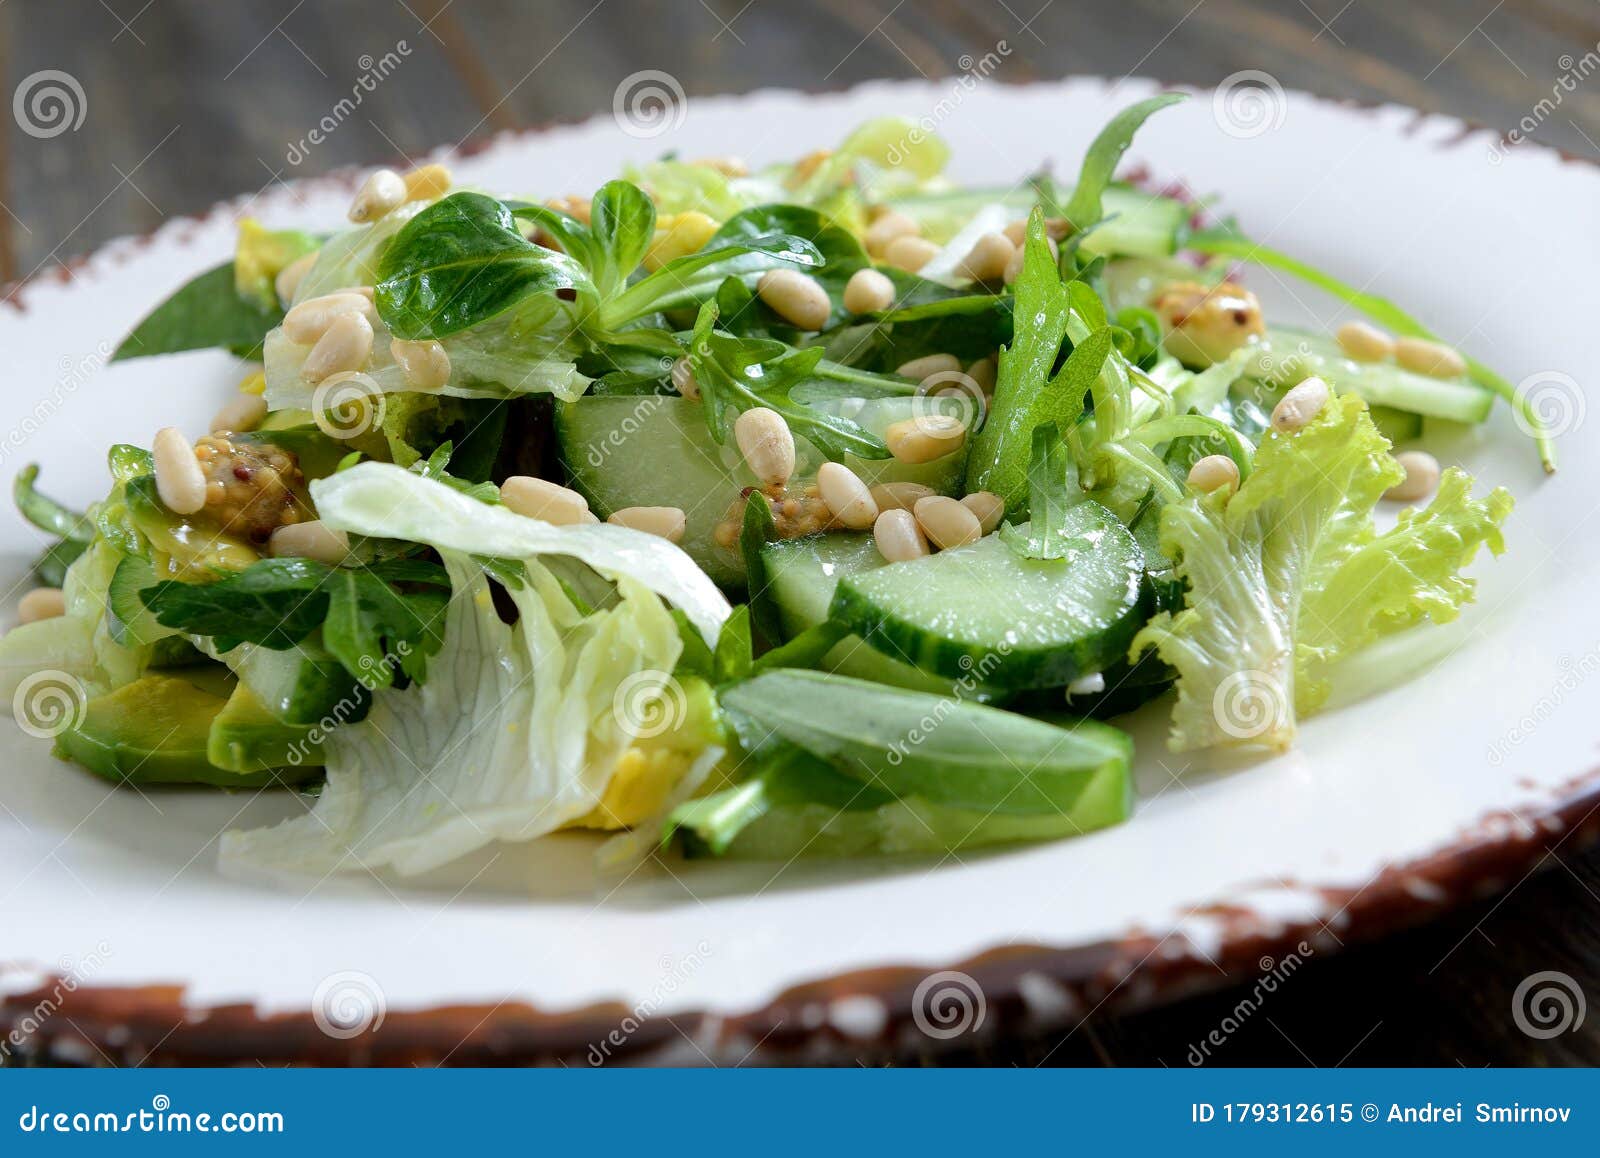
<point x="1447" y="785"/>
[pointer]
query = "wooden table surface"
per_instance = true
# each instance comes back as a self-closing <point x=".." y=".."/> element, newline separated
<point x="189" y="102"/>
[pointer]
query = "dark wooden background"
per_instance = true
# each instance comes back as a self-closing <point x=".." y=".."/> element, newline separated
<point x="192" y="101"/>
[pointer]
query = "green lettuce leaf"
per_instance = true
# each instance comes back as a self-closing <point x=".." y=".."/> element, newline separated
<point x="1290" y="574"/>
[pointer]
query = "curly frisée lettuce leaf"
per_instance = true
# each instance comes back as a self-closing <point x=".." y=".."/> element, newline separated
<point x="1290" y="574"/>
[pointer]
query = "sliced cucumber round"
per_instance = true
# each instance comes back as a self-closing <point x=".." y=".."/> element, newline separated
<point x="654" y="450"/>
<point x="800" y="576"/>
<point x="985" y="612"/>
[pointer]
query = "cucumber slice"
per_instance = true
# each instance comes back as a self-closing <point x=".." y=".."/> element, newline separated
<point x="800" y="576"/>
<point x="132" y="623"/>
<point x="984" y="611"/>
<point x="1287" y="356"/>
<point x="655" y="450"/>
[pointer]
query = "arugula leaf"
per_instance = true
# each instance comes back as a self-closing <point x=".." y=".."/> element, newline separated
<point x="434" y="467"/>
<point x="205" y="312"/>
<point x="1026" y="394"/>
<point x="364" y="612"/>
<point x="462" y="261"/>
<point x="1085" y="208"/>
<point x="738" y="374"/>
<point x="732" y="658"/>
<point x="1271" y="571"/>
<point x="1051" y="496"/>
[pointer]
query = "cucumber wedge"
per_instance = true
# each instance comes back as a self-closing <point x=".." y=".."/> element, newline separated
<point x="654" y="450"/>
<point x="800" y="576"/>
<point x="983" y="611"/>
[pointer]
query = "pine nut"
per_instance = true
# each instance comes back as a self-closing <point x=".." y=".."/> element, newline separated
<point x="797" y="299"/>
<point x="1017" y="232"/>
<point x="898" y="538"/>
<point x="41" y="603"/>
<point x="985" y="372"/>
<point x="427" y="183"/>
<point x="946" y="522"/>
<point x="887" y="229"/>
<point x="668" y="522"/>
<point x="846" y="496"/>
<point x="1365" y="343"/>
<point x="241" y="414"/>
<point x="313" y="540"/>
<point x="1297" y="408"/>
<point x="899" y="496"/>
<point x="988" y="258"/>
<point x="426" y="364"/>
<point x="1434" y="359"/>
<point x="382" y="191"/>
<point x="868" y="291"/>
<point x="344" y="346"/>
<point x="924" y="438"/>
<point x="538" y="498"/>
<point x="928" y="365"/>
<point x="683" y="380"/>
<point x="179" y="480"/>
<point x="309" y="320"/>
<point x="766" y="443"/>
<point x="910" y="253"/>
<point x="988" y="507"/>
<point x="1422" y="477"/>
<point x="290" y="277"/>
<point x="1214" y="472"/>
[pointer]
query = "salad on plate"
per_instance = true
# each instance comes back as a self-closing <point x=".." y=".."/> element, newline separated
<point x="826" y="509"/>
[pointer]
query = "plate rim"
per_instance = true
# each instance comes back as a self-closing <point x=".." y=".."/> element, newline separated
<point x="878" y="1011"/>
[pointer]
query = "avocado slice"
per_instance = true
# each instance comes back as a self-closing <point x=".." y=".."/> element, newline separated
<point x="155" y="731"/>
<point x="246" y="737"/>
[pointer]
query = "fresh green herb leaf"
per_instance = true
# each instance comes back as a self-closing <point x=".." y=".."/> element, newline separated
<point x="204" y="313"/>
<point x="695" y="277"/>
<point x="622" y="223"/>
<point x="732" y="658"/>
<point x="756" y="530"/>
<point x="462" y="261"/>
<point x="1085" y="207"/>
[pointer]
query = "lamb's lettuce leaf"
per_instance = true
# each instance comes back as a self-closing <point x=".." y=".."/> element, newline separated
<point x="1290" y="574"/>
